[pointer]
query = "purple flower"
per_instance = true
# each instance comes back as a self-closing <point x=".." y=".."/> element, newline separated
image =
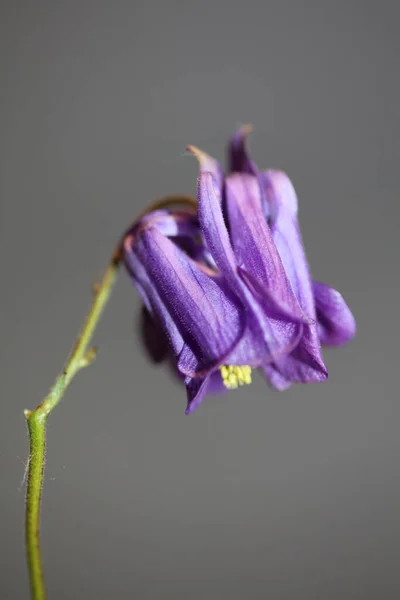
<point x="230" y="287"/>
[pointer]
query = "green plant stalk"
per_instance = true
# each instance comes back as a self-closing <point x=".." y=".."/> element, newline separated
<point x="80" y="357"/>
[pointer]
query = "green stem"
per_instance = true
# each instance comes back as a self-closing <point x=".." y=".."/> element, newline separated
<point x="81" y="356"/>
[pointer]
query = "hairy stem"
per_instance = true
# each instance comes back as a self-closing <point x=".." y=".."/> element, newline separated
<point x="81" y="356"/>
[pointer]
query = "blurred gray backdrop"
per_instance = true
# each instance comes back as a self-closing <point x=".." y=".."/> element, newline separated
<point x="258" y="494"/>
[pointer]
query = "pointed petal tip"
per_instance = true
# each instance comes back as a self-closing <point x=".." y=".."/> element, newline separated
<point x="239" y="160"/>
<point x="319" y="368"/>
<point x="208" y="164"/>
<point x="205" y="161"/>
<point x="337" y="324"/>
<point x="324" y="373"/>
<point x="277" y="381"/>
<point x="239" y="138"/>
<point x="196" y="151"/>
<point x="317" y="374"/>
<point x="321" y="372"/>
<point x="245" y="130"/>
<point x="192" y="405"/>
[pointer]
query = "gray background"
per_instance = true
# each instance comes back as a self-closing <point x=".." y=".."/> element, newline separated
<point x="258" y="494"/>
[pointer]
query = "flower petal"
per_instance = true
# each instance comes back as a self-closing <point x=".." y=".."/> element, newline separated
<point x="254" y="247"/>
<point x="275" y="379"/>
<point x="148" y="292"/>
<point x="188" y="301"/>
<point x="171" y="224"/>
<point x="239" y="160"/>
<point x="214" y="229"/>
<point x="306" y="363"/>
<point x="264" y="339"/>
<point x="197" y="389"/>
<point x="282" y="201"/>
<point x="209" y="165"/>
<point x="181" y="224"/>
<point x="336" y="322"/>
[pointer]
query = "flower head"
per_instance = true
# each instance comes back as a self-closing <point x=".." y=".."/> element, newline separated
<point x="230" y="286"/>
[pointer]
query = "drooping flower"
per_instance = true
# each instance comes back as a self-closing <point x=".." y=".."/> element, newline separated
<point x="230" y="286"/>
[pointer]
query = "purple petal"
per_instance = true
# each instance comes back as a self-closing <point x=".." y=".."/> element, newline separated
<point x="216" y="386"/>
<point x="239" y="160"/>
<point x="197" y="313"/>
<point x="275" y="308"/>
<point x="282" y="201"/>
<point x="336" y="322"/>
<point x="264" y="339"/>
<point x="209" y="165"/>
<point x="179" y="223"/>
<point x="254" y="246"/>
<point x="214" y="229"/>
<point x="197" y="389"/>
<point x="275" y="379"/>
<point x="306" y="363"/>
<point x="148" y="292"/>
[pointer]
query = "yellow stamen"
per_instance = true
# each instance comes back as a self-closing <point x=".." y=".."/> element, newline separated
<point x="233" y="376"/>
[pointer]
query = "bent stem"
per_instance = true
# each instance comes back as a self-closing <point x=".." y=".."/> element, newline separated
<point x="80" y="357"/>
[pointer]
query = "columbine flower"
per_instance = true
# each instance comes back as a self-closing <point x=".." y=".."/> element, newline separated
<point x="230" y="287"/>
